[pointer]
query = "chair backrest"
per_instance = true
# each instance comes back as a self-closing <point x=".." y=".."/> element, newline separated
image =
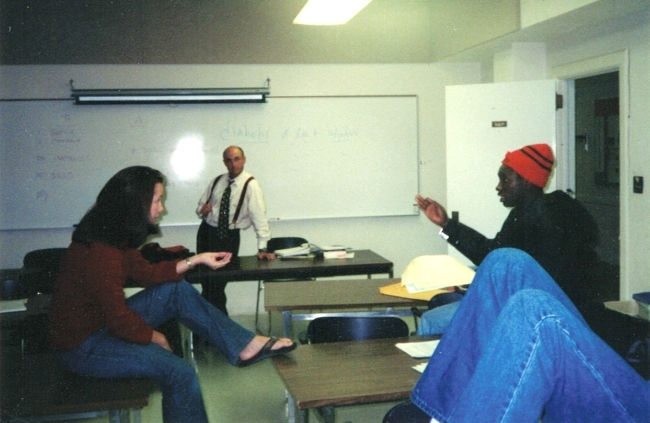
<point x="349" y="328"/>
<point x="285" y="242"/>
<point x="40" y="270"/>
<point x="406" y="412"/>
<point x="45" y="259"/>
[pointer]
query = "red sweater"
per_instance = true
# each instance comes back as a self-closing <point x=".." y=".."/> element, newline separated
<point x="88" y="294"/>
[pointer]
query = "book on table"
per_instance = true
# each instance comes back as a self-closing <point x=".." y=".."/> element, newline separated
<point x="301" y="250"/>
<point x="307" y="249"/>
<point x="337" y="254"/>
<point x="319" y="249"/>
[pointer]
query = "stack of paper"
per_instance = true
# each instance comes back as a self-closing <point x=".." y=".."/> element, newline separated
<point x="427" y="276"/>
<point x="301" y="250"/>
<point x="308" y="248"/>
<point x="332" y="251"/>
<point x="316" y="249"/>
<point x="427" y="273"/>
<point x="337" y="254"/>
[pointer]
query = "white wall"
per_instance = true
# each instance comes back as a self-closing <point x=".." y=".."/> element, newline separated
<point x="536" y="11"/>
<point x="399" y="239"/>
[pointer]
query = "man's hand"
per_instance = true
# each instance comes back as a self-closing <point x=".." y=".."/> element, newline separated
<point x="434" y="211"/>
<point x="205" y="209"/>
<point x="265" y="255"/>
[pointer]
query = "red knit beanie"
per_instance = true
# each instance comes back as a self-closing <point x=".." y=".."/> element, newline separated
<point x="532" y="162"/>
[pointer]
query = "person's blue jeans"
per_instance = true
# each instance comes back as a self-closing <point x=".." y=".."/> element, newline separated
<point x="436" y="320"/>
<point x="104" y="355"/>
<point x="518" y="350"/>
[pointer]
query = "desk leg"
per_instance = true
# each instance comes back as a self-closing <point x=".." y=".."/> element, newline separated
<point x="287" y="324"/>
<point x="294" y="414"/>
<point x="327" y="413"/>
<point x="260" y="288"/>
<point x="119" y="416"/>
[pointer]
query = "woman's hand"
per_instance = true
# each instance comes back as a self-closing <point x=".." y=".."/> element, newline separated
<point x="159" y="339"/>
<point x="212" y="260"/>
<point x="434" y="211"/>
<point x="216" y="260"/>
<point x="265" y="255"/>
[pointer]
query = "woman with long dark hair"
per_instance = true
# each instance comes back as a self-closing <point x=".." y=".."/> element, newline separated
<point x="98" y="332"/>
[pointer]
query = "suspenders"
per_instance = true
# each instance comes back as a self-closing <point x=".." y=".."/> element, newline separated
<point x="241" y="198"/>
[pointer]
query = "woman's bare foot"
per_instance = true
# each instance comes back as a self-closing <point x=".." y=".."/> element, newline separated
<point x="258" y="343"/>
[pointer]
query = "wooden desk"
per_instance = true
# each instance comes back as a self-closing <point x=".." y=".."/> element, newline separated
<point x="328" y="294"/>
<point x="346" y="373"/>
<point x="250" y="268"/>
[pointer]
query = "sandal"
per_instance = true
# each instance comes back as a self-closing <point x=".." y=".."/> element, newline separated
<point x="267" y="352"/>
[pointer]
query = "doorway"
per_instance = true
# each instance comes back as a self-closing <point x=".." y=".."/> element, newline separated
<point x="597" y="165"/>
<point x="597" y="158"/>
<point x="599" y="67"/>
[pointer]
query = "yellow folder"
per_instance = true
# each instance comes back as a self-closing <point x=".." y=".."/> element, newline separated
<point x="399" y="290"/>
<point x="430" y="275"/>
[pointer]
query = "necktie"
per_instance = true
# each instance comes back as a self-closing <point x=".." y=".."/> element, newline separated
<point x="224" y="211"/>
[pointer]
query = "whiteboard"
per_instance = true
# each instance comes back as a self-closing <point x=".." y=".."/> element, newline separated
<point x="315" y="157"/>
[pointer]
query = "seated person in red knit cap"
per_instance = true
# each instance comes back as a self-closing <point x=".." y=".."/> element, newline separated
<point x="554" y="228"/>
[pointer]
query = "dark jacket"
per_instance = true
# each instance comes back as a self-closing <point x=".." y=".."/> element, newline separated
<point x="555" y="229"/>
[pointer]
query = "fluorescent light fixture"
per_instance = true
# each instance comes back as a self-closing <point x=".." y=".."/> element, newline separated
<point x="192" y="95"/>
<point x="329" y="12"/>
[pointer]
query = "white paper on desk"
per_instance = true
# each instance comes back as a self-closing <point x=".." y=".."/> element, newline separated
<point x="420" y="367"/>
<point x="423" y="349"/>
<point x="13" y="305"/>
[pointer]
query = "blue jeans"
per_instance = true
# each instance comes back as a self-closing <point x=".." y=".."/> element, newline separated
<point x="104" y="355"/>
<point x="518" y="350"/>
<point x="436" y="320"/>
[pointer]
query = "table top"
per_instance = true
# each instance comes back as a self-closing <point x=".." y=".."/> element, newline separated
<point x="344" y="373"/>
<point x="250" y="268"/>
<point x="332" y="294"/>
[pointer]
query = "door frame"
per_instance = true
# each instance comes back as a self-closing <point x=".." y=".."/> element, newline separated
<point x="567" y="74"/>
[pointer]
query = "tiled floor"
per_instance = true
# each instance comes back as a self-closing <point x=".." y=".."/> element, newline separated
<point x="253" y="394"/>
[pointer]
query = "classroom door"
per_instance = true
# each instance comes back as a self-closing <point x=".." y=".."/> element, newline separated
<point x="484" y="121"/>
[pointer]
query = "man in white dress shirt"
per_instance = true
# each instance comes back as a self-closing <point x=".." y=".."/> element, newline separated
<point x="245" y="208"/>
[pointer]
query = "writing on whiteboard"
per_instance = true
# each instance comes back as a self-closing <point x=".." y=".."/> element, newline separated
<point x="244" y="132"/>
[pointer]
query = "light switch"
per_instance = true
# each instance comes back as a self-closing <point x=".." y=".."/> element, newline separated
<point x="638" y="185"/>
